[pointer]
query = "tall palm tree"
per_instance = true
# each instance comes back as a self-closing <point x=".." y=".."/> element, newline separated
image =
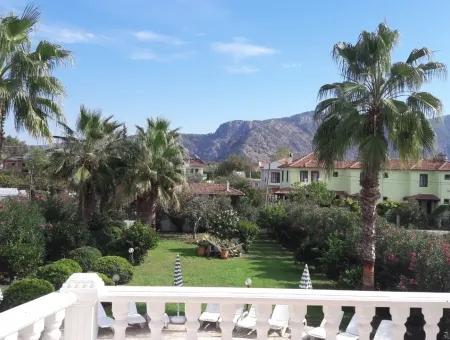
<point x="158" y="167"/>
<point x="28" y="90"/>
<point x="378" y="105"/>
<point x="91" y="160"/>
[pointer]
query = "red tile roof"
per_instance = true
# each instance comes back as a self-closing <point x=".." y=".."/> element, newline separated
<point x="424" y="197"/>
<point x="218" y="189"/>
<point x="310" y="161"/>
<point x="197" y="162"/>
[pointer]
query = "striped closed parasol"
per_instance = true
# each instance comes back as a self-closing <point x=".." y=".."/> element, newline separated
<point x="177" y="273"/>
<point x="305" y="281"/>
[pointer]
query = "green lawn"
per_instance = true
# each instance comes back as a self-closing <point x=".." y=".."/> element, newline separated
<point x="267" y="264"/>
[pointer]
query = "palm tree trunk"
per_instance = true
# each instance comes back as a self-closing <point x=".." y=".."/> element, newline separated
<point x="2" y="126"/>
<point x="146" y="207"/>
<point x="369" y="196"/>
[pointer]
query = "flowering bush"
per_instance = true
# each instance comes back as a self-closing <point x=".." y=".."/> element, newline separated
<point x="224" y="224"/>
<point x="412" y="260"/>
<point x="136" y="241"/>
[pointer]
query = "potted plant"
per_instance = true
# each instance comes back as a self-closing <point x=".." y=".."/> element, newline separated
<point x="202" y="246"/>
<point x="224" y="253"/>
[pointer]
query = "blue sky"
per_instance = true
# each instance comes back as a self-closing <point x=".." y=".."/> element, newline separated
<point x="202" y="62"/>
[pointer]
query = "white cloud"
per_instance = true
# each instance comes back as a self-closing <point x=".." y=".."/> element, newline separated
<point x="151" y="36"/>
<point x="240" y="48"/>
<point x="241" y="69"/>
<point x="66" y="35"/>
<point x="144" y="54"/>
<point x="291" y="65"/>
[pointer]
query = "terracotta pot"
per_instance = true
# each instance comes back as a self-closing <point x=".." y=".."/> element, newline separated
<point x="201" y="250"/>
<point x="224" y="254"/>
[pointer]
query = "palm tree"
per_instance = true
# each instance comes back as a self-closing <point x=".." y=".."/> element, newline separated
<point x="28" y="90"/>
<point x="378" y="105"/>
<point x="158" y="168"/>
<point x="91" y="160"/>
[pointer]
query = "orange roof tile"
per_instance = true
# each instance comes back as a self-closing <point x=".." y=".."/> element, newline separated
<point x="218" y="189"/>
<point x="310" y="161"/>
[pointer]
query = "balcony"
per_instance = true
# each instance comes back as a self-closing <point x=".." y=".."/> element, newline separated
<point x="71" y="313"/>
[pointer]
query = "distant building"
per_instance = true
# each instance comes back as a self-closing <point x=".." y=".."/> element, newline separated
<point x="15" y="164"/>
<point x="427" y="180"/>
<point x="194" y="166"/>
<point x="271" y="173"/>
<point x="212" y="190"/>
<point x="11" y="193"/>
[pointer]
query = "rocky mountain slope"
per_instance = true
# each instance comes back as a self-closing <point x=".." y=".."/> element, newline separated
<point x="258" y="139"/>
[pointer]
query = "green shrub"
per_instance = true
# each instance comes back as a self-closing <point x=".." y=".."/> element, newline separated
<point x="272" y="216"/>
<point x="114" y="265"/>
<point x="224" y="224"/>
<point x="314" y="193"/>
<point x="58" y="272"/>
<point x="85" y="256"/>
<point x="411" y="215"/>
<point x="351" y="278"/>
<point x="106" y="232"/>
<point x="247" y="232"/>
<point x="141" y="237"/>
<point x="59" y="208"/>
<point x="21" y="238"/>
<point x="62" y="237"/>
<point x="25" y="290"/>
<point x="73" y="265"/>
<point x="108" y="281"/>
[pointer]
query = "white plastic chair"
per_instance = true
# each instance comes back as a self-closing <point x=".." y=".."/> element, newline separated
<point x="351" y="332"/>
<point x="279" y="319"/>
<point x="385" y="331"/>
<point x="320" y="332"/>
<point x="211" y="314"/>
<point x="103" y="321"/>
<point x="134" y="318"/>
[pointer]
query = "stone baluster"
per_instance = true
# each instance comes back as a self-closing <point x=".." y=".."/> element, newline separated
<point x="120" y="313"/>
<point x="32" y="332"/>
<point x="263" y="312"/>
<point x="399" y="314"/>
<point x="227" y="312"/>
<point x="432" y="316"/>
<point x="193" y="310"/>
<point x="333" y="317"/>
<point x="13" y="336"/>
<point x="297" y="314"/>
<point x="81" y="317"/>
<point x="156" y="312"/>
<point x="52" y="326"/>
<point x="365" y="315"/>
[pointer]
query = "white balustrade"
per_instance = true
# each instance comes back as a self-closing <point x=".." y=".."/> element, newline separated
<point x="40" y="317"/>
<point x="77" y="302"/>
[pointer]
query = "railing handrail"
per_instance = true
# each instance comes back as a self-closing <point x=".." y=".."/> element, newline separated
<point x="261" y="295"/>
<point x="19" y="317"/>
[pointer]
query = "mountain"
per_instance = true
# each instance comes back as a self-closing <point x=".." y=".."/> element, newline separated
<point x="258" y="139"/>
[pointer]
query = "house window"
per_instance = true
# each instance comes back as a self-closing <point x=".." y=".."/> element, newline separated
<point x="274" y="177"/>
<point x="386" y="175"/>
<point x="282" y="176"/>
<point x="447" y="177"/>
<point x="303" y="176"/>
<point x="314" y="176"/>
<point x="287" y="175"/>
<point x="446" y="201"/>
<point x="423" y="180"/>
<point x="335" y="174"/>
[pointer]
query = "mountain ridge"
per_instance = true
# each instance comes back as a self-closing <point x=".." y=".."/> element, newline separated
<point x="259" y="139"/>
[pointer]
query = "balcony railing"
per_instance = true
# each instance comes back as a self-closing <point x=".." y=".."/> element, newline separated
<point x="76" y="304"/>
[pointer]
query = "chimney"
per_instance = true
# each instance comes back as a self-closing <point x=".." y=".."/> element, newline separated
<point x="290" y="157"/>
<point x="228" y="186"/>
